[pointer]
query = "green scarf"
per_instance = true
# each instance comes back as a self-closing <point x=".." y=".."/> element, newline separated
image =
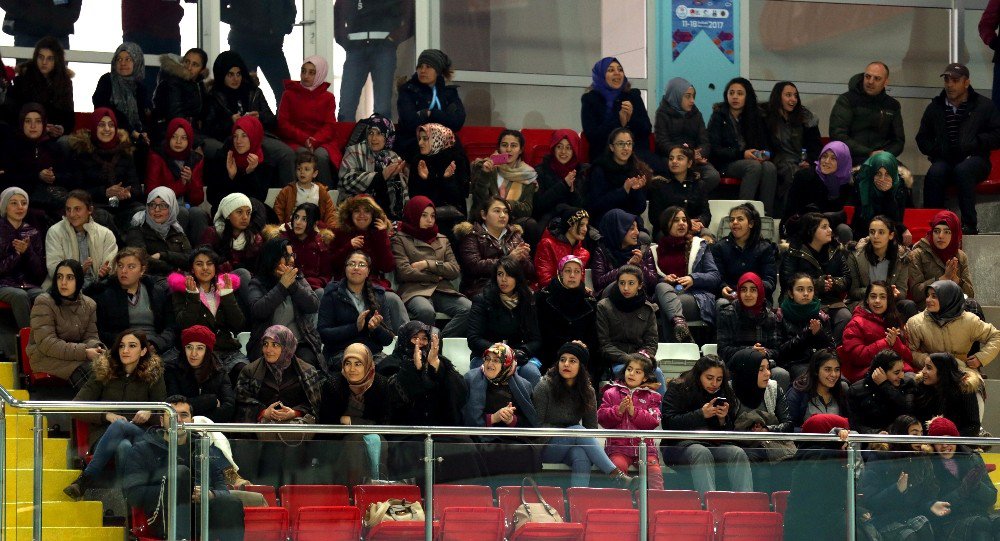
<point x="799" y="313"/>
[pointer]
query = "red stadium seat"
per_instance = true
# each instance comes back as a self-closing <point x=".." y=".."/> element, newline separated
<point x="779" y="500"/>
<point x="265" y="523"/>
<point x="270" y="496"/>
<point x="294" y="497"/>
<point x="446" y="496"/>
<point x="747" y="526"/>
<point x="720" y="502"/>
<point x="472" y="524"/>
<point x="479" y="141"/>
<point x="610" y="524"/>
<point x="509" y="497"/>
<point x="29" y="376"/>
<point x="138" y="527"/>
<point x="688" y="500"/>
<point x="730" y="181"/>
<point x="681" y="525"/>
<point x="365" y="495"/>
<point x="533" y="156"/>
<point x="918" y="221"/>
<point x="582" y="500"/>
<point x="4" y="306"/>
<point x="327" y="523"/>
<point x="849" y="211"/>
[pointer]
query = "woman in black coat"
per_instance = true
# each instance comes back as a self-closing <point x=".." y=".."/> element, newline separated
<point x="611" y="103"/>
<point x="200" y="378"/>
<point x="341" y="323"/>
<point x="35" y="162"/>
<point x="567" y="312"/>
<point x="425" y="98"/>
<point x="560" y="177"/>
<point x="743" y="250"/>
<point x="357" y="396"/>
<point x="679" y="122"/>
<point x="123" y="91"/>
<point x="505" y="312"/>
<point x="946" y="390"/>
<point x="881" y="396"/>
<point x="439" y="171"/>
<point x="157" y="231"/>
<point x="46" y="80"/>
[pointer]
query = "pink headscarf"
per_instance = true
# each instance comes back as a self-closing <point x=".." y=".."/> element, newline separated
<point x="321" y="70"/>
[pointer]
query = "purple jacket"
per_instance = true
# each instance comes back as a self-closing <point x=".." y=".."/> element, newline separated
<point x="647" y="417"/>
<point x="25" y="270"/>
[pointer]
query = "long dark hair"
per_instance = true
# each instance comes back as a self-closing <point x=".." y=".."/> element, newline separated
<point x="807" y="382"/>
<point x="691" y="380"/>
<point x="485" y="207"/>
<point x="750" y="118"/>
<point x="891" y="317"/>
<point x="885" y="360"/>
<point x="517" y="135"/>
<point x="77" y="269"/>
<point x="891" y="250"/>
<point x="900" y="426"/>
<point x="753" y="217"/>
<point x="808" y="225"/>
<point x="58" y="79"/>
<point x="949" y="375"/>
<point x="367" y="290"/>
<point x="212" y="256"/>
<point x="114" y="357"/>
<point x="581" y="390"/>
<point x="513" y="269"/>
<point x="271" y="254"/>
<point x="226" y="243"/>
<point x="775" y="108"/>
<point x="634" y="162"/>
<point x="312" y="216"/>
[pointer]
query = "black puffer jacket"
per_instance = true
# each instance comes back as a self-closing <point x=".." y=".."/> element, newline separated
<point x="978" y="134"/>
<point x="733" y="261"/>
<point x="598" y="122"/>
<point x="565" y="315"/>
<point x="173" y="250"/>
<point x="414" y="103"/>
<point x="490" y="321"/>
<point x="675" y="127"/>
<point x="478" y="252"/>
<point x="177" y="94"/>
<point x="829" y="261"/>
<point x="722" y="132"/>
<point x="213" y="398"/>
<point x="264" y="21"/>
<point x="874" y="407"/>
<point x="219" y="112"/>
<point x="867" y="123"/>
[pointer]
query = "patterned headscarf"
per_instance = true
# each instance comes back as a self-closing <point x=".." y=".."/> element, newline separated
<point x="322" y="68"/>
<point x="441" y="137"/>
<point x="123" y="87"/>
<point x="284" y="337"/>
<point x="507" y="363"/>
<point x="384" y="125"/>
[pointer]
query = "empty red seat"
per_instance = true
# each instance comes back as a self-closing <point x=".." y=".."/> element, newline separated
<point x="446" y="496"/>
<point x="472" y="524"/>
<point x="265" y="523"/>
<point x="270" y="496"/>
<point x="566" y="531"/>
<point x="294" y="497"/>
<point x="918" y="221"/>
<point x="721" y="502"/>
<point x="658" y="500"/>
<point x="730" y="181"/>
<point x="681" y="525"/>
<point x="582" y="500"/>
<point x="610" y="524"/>
<point x="849" y="211"/>
<point x="327" y="523"/>
<point x="779" y="500"/>
<point x="479" y="141"/>
<point x="748" y="526"/>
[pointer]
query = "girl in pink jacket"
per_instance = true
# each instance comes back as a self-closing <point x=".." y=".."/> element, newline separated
<point x="632" y="403"/>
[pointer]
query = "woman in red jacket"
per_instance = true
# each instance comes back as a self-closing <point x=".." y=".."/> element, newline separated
<point x="306" y="117"/>
<point x="876" y="325"/>
<point x="562" y="238"/>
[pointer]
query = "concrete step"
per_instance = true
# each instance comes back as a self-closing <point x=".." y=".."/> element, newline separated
<point x="20" y="452"/>
<point x="83" y="514"/>
<point x="68" y="534"/>
<point x="20" y="483"/>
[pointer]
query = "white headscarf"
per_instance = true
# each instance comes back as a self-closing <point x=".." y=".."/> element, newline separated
<point x="321" y="70"/>
<point x="168" y="197"/>
<point x="229" y="204"/>
<point x="5" y="198"/>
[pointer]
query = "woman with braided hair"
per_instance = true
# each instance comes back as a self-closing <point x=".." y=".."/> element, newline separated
<point x="352" y="311"/>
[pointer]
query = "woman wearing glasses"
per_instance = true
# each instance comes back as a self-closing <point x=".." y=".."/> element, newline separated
<point x="352" y="310"/>
<point x="157" y="231"/>
<point x="618" y="178"/>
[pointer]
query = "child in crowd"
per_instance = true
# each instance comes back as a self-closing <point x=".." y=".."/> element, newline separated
<point x="805" y="327"/>
<point x="305" y="189"/>
<point x="632" y="403"/>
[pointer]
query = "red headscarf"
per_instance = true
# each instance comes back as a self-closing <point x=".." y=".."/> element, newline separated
<point x="171" y="128"/>
<point x="761" y="294"/>
<point x="411" y="219"/>
<point x="951" y="220"/>
<point x="255" y="131"/>
<point x="563" y="169"/>
<point x="95" y="120"/>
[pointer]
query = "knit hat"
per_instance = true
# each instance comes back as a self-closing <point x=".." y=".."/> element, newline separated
<point x="571" y="217"/>
<point x="5" y="198"/>
<point x="575" y="349"/>
<point x="436" y="59"/>
<point x="569" y="259"/>
<point x="228" y="204"/>
<point x="198" y="333"/>
<point x="823" y="423"/>
<point x="942" y="426"/>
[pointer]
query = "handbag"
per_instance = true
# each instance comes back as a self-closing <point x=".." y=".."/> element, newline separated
<point x="540" y="512"/>
<point x="393" y="510"/>
<point x="291" y="440"/>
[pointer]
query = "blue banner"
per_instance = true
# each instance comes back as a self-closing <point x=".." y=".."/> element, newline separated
<point x="714" y="17"/>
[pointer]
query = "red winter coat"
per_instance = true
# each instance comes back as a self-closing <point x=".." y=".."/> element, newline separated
<point x="376" y="246"/>
<point x="550" y="250"/>
<point x="864" y="336"/>
<point x="309" y="113"/>
<point x="647" y="417"/>
<point x="158" y="174"/>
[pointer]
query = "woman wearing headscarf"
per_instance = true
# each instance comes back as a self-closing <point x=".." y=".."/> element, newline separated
<point x="371" y="167"/>
<point x="22" y="256"/>
<point x="619" y="246"/>
<point x="123" y="92"/>
<point x="35" y="162"/>
<point x="824" y="188"/>
<point x="946" y="326"/>
<point x="234" y="95"/>
<point x="940" y="254"/>
<point x="748" y="323"/>
<point x="440" y="171"/>
<point x="679" y="122"/>
<point x="357" y="395"/>
<point x="610" y="103"/>
<point x="105" y="166"/>
<point x="567" y="312"/>
<point x="563" y="237"/>
<point x="763" y="409"/>
<point x="426" y="267"/>
<point x="176" y="165"/>
<point x="242" y="165"/>
<point x="428" y="98"/>
<point x="157" y="231"/>
<point x="307" y="115"/>
<point x="881" y="191"/>
<point x="558" y="173"/>
<point x="236" y="236"/>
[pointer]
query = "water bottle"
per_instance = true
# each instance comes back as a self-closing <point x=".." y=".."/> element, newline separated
<point x="678" y="288"/>
<point x="802" y="156"/>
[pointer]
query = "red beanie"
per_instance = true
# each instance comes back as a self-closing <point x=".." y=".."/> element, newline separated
<point x="941" y="426"/>
<point x="823" y="423"/>
<point x="198" y="333"/>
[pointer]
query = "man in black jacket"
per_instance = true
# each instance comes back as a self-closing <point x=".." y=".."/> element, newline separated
<point x="31" y="20"/>
<point x="145" y="482"/>
<point x="957" y="132"/>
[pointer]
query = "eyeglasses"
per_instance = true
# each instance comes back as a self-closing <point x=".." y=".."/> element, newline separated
<point x="157" y="206"/>
<point x="491" y="361"/>
<point x="623" y="144"/>
<point x="357" y="265"/>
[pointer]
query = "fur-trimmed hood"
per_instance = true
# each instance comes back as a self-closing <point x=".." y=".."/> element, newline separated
<point x="971" y="383"/>
<point x="464" y="228"/>
<point x="171" y="65"/>
<point x="346" y="208"/>
<point x="81" y="142"/>
<point x="272" y="231"/>
<point x="148" y="371"/>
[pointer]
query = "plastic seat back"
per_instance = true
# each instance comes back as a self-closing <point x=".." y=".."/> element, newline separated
<point x="265" y="523"/>
<point x="687" y="500"/>
<point x="294" y="497"/>
<point x="365" y="495"/>
<point x="446" y="496"/>
<point x="610" y="524"/>
<point x="509" y="498"/>
<point x="721" y="502"/>
<point x="472" y="524"/>
<point x="327" y="523"/>
<point x="750" y="526"/>
<point x="779" y="500"/>
<point x="681" y="525"/>
<point x="582" y="500"/>
<point x="270" y="495"/>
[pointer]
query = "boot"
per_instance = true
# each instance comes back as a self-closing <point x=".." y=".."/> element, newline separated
<point x="682" y="333"/>
<point x="76" y="489"/>
<point x="624" y="479"/>
<point x="233" y="478"/>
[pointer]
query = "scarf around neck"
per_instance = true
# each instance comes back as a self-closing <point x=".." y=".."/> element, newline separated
<point x="411" y="219"/>
<point x="799" y="314"/>
<point x="123" y="87"/>
<point x="563" y="169"/>
<point x="284" y="337"/>
<point x="627" y="305"/>
<point x="515" y="178"/>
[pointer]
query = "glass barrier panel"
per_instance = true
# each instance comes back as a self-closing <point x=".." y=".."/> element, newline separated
<point x="976" y="55"/>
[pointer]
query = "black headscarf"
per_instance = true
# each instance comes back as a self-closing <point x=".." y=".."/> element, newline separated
<point x="226" y="61"/>
<point x="614" y="226"/>
<point x="745" y="366"/>
<point x="950" y="298"/>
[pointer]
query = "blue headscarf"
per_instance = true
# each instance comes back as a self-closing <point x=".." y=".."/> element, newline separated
<point x="600" y="85"/>
<point x="613" y="227"/>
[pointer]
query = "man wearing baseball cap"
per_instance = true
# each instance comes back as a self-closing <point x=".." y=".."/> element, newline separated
<point x="957" y="132"/>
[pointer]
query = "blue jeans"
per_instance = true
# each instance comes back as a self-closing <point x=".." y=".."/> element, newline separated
<point x="377" y="57"/>
<point x="964" y="175"/>
<point x="269" y="58"/>
<point x="115" y="442"/>
<point x="615" y="369"/>
<point x="580" y="454"/>
<point x="528" y="371"/>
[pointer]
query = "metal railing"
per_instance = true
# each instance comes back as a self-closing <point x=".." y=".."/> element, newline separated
<point x="40" y="407"/>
